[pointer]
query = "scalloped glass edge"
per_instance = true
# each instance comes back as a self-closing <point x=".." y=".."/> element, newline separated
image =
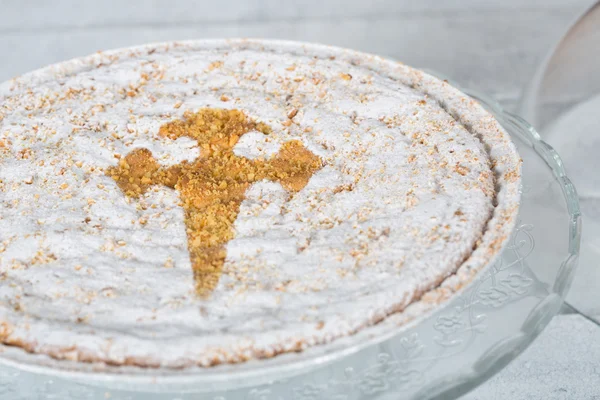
<point x="500" y="355"/>
<point x="486" y="366"/>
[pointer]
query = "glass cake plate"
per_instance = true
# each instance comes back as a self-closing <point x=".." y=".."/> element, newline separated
<point x="562" y="102"/>
<point x="440" y="356"/>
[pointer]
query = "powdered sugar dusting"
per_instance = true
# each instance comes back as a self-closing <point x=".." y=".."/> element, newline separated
<point x="406" y="194"/>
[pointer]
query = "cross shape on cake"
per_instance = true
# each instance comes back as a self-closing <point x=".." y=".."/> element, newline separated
<point x="213" y="186"/>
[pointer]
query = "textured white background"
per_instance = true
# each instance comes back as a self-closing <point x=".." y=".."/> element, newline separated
<point x="493" y="45"/>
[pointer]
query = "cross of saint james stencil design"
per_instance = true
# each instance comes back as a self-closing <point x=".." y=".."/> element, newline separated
<point x="213" y="186"/>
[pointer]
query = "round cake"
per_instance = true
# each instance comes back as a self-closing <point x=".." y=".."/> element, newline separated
<point x="209" y="202"/>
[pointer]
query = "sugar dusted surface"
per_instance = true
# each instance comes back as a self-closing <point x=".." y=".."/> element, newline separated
<point x="418" y="192"/>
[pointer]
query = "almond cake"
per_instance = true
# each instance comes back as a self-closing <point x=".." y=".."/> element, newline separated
<point x="211" y="202"/>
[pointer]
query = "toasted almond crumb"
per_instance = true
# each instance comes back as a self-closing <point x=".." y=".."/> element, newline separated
<point x="211" y="200"/>
<point x="214" y="65"/>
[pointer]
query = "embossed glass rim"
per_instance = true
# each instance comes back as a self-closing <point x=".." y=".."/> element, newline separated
<point x="462" y="382"/>
<point x="493" y="360"/>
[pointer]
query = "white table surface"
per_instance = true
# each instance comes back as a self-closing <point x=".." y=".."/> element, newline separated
<point x="562" y="364"/>
<point x="493" y="45"/>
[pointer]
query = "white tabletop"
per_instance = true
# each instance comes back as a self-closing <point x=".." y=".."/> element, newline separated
<point x="492" y="45"/>
<point x="563" y="363"/>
